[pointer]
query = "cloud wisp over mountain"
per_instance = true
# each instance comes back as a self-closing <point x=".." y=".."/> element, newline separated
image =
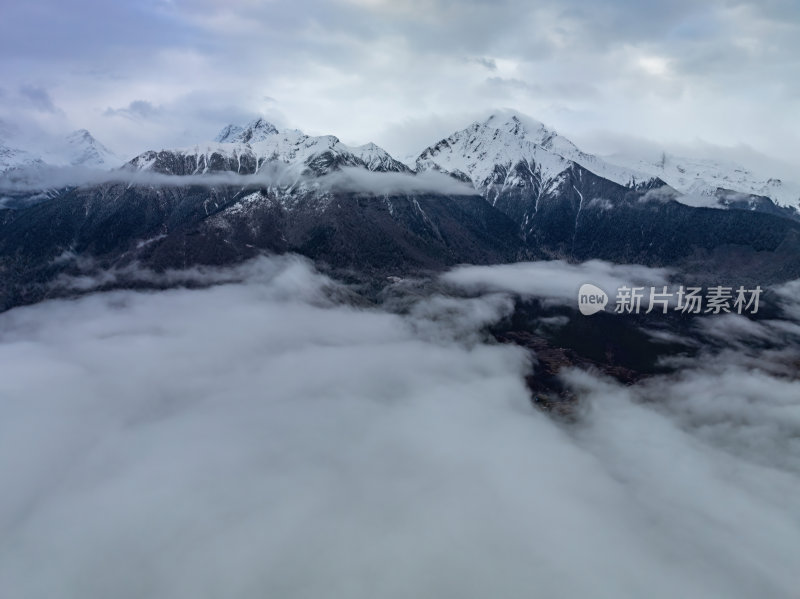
<point x="347" y="179"/>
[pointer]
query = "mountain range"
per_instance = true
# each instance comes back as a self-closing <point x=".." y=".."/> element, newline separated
<point x="503" y="189"/>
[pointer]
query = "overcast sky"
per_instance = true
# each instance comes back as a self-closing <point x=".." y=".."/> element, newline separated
<point x="688" y="75"/>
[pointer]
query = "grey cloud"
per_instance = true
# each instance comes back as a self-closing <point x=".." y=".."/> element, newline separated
<point x="6" y="129"/>
<point x="500" y="82"/>
<point x="789" y="293"/>
<point x="348" y="179"/>
<point x="556" y="279"/>
<point x="38" y="97"/>
<point x="137" y="109"/>
<point x="668" y="194"/>
<point x="746" y="412"/>
<point x="665" y="193"/>
<point x="736" y="331"/>
<point x="293" y="271"/>
<point x="360" y="180"/>
<point x="552" y="90"/>
<point x="488" y="63"/>
<point x="185" y="120"/>
<point x="79" y="29"/>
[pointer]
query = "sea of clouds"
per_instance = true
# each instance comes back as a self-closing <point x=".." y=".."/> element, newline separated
<point x="261" y="437"/>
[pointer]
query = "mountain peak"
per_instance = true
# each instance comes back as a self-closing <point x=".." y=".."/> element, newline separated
<point x="82" y="149"/>
<point x="256" y="130"/>
<point x="495" y="145"/>
<point x="519" y="125"/>
<point x="505" y="139"/>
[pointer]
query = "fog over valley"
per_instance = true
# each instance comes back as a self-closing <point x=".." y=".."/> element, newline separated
<point x="274" y="434"/>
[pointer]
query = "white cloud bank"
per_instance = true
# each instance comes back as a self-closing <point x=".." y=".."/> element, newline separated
<point x="555" y="279"/>
<point x="257" y="439"/>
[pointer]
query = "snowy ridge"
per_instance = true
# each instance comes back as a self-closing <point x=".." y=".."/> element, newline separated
<point x="507" y="139"/>
<point x="697" y="176"/>
<point x="14" y="158"/>
<point x="79" y="148"/>
<point x="260" y="143"/>
<point x="505" y="150"/>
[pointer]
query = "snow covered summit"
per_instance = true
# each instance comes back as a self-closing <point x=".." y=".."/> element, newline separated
<point x="247" y="149"/>
<point x="506" y="139"/>
<point x="82" y="149"/>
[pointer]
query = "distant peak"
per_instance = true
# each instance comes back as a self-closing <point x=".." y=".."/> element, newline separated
<point x="82" y="148"/>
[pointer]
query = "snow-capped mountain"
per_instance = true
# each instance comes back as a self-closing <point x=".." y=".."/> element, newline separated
<point x="79" y="148"/>
<point x="490" y="153"/>
<point x="504" y="151"/>
<point x="497" y="145"/>
<point x="16" y="158"/>
<point x="537" y="196"/>
<point x="697" y="176"/>
<point x="82" y="149"/>
<point x="246" y="150"/>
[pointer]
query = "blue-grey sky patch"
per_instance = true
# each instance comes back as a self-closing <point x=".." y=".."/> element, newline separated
<point x="38" y="98"/>
<point x="137" y="109"/>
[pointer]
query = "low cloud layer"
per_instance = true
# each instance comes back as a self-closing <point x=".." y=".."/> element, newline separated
<point x="258" y="438"/>
<point x="349" y="179"/>
<point x="696" y="200"/>
<point x="555" y="279"/>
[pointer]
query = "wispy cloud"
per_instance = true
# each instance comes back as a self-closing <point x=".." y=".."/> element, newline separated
<point x="277" y="174"/>
<point x="39" y="98"/>
<point x="554" y="279"/>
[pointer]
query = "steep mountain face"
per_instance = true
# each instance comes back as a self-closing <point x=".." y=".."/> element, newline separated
<point x="535" y="196"/>
<point x="247" y="150"/>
